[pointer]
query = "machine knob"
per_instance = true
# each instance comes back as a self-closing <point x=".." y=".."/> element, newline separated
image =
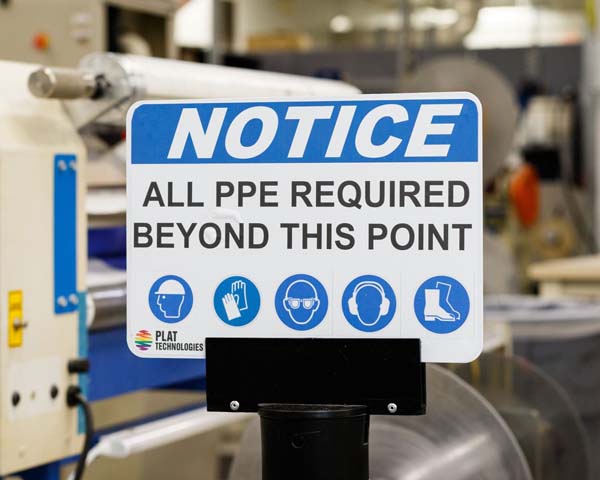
<point x="78" y="365"/>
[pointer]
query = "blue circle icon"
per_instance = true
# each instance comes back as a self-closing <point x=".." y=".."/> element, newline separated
<point x="301" y="302"/>
<point x="369" y="303"/>
<point x="170" y="299"/>
<point x="237" y="301"/>
<point x="442" y="304"/>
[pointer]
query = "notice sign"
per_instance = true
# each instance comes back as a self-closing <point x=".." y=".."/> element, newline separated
<point x="327" y="218"/>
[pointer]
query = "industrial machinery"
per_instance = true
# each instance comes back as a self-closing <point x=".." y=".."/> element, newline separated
<point x="42" y="278"/>
<point x="533" y="204"/>
<point x="559" y="334"/>
<point x="61" y="143"/>
<point x="65" y="31"/>
<point x="56" y="314"/>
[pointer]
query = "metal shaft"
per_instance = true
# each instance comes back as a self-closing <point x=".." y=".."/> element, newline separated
<point x="62" y="83"/>
<point x="107" y="306"/>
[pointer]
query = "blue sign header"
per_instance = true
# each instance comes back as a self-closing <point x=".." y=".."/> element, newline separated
<point x="374" y="129"/>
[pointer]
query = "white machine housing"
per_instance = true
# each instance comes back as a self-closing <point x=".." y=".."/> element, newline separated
<point x="38" y="428"/>
<point x="60" y="32"/>
<point x="44" y="325"/>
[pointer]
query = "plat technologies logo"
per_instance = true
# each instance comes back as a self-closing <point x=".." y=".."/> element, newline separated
<point x="143" y="340"/>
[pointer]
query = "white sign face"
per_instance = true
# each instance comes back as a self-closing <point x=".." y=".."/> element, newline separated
<point x="343" y="218"/>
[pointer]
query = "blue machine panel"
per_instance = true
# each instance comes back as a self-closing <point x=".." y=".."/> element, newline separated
<point x="66" y="298"/>
<point x="114" y="370"/>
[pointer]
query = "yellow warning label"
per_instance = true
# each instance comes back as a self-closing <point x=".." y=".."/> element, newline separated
<point x="15" y="318"/>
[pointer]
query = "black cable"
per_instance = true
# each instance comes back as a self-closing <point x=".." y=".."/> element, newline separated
<point x="75" y="398"/>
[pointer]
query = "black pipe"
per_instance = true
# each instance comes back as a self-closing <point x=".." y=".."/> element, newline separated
<point x="314" y="442"/>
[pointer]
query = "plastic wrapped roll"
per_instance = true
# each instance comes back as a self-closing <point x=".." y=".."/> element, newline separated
<point x="157" y="78"/>
<point x="539" y="412"/>
<point x="461" y="438"/>
<point x="124" y="79"/>
<point x="454" y="73"/>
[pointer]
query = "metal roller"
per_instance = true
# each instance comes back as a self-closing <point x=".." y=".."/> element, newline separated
<point x="107" y="295"/>
<point x="106" y="306"/>
<point x="121" y="80"/>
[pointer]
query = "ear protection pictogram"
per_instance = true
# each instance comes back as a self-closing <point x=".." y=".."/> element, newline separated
<point x="384" y="308"/>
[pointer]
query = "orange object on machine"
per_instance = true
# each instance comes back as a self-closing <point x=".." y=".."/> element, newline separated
<point x="524" y="193"/>
<point x="41" y="41"/>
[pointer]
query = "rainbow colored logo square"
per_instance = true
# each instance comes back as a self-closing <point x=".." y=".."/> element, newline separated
<point x="143" y="340"/>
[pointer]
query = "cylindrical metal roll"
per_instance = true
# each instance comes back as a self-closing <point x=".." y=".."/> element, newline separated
<point x="106" y="306"/>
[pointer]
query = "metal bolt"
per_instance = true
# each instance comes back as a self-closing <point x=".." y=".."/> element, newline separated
<point x="392" y="407"/>
<point x="74" y="299"/>
<point x="15" y="399"/>
<point x="234" y="405"/>
<point x="62" y="165"/>
<point x="73" y="165"/>
<point x="62" y="301"/>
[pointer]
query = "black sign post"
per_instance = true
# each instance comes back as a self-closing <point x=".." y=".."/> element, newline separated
<point x="314" y="397"/>
<point x="314" y="442"/>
